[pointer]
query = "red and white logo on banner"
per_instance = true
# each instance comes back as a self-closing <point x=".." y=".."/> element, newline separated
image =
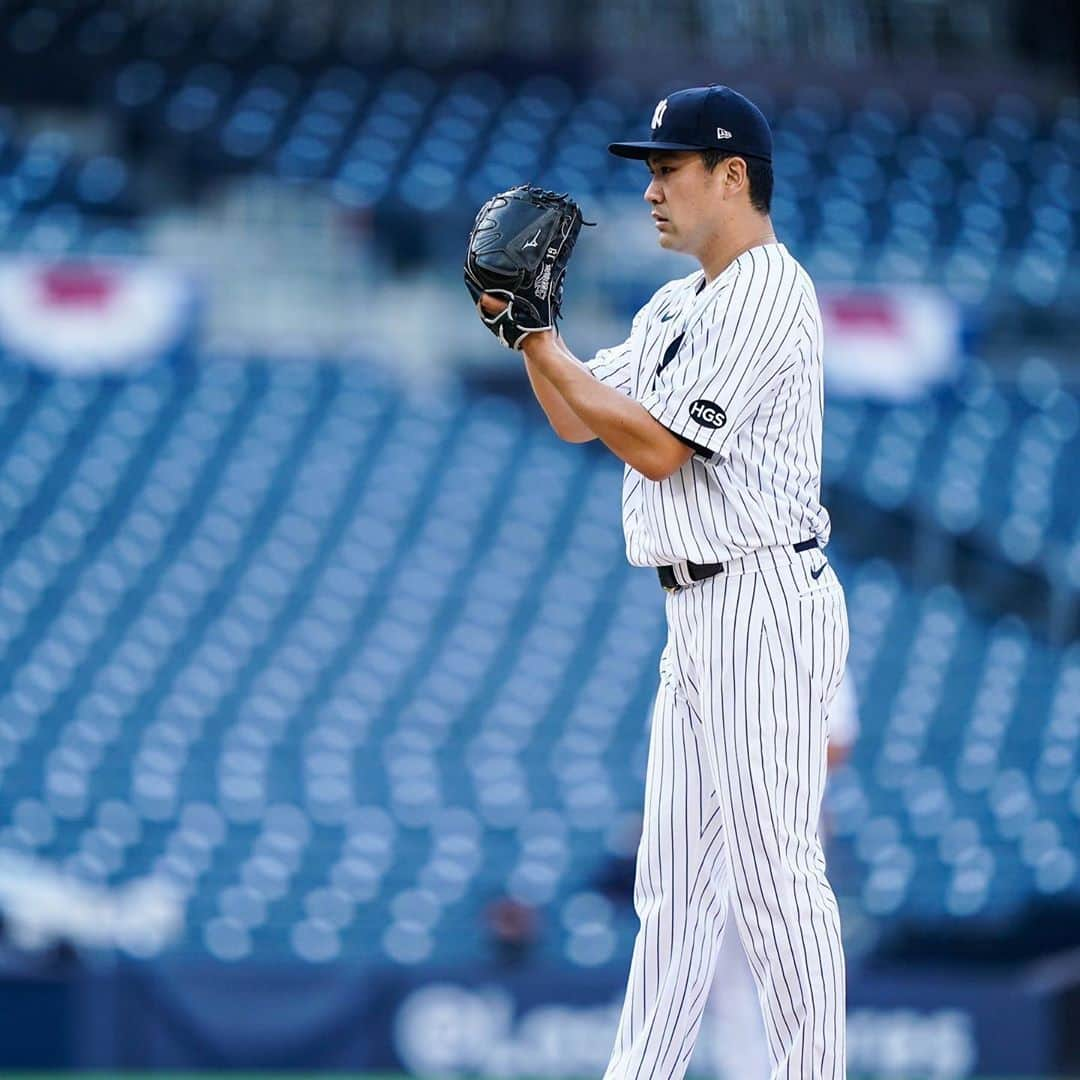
<point x="890" y="343"/>
<point x="87" y="317"/>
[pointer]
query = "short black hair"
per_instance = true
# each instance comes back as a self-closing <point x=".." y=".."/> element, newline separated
<point x="758" y="174"/>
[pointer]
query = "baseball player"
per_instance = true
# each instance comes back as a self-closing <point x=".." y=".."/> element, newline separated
<point x="740" y="1048"/>
<point x="714" y="403"/>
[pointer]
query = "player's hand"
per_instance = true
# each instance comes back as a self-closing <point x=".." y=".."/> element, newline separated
<point x="492" y="305"/>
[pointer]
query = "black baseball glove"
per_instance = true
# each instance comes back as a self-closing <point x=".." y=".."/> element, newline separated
<point x="518" y="251"/>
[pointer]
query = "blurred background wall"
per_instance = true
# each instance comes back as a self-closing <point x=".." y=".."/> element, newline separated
<point x="324" y="681"/>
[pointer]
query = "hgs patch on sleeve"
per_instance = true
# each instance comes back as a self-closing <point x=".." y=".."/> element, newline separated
<point x="707" y="413"/>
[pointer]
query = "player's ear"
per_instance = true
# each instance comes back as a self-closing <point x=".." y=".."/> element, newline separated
<point x="734" y="175"/>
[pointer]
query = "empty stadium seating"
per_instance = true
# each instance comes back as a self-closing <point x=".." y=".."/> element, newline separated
<point x="976" y="200"/>
<point x="982" y="200"/>
<point x="343" y="665"/>
<point x="980" y="459"/>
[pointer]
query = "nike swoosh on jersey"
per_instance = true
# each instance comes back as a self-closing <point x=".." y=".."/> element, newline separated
<point x="815" y="574"/>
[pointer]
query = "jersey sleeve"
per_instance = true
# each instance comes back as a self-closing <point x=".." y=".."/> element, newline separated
<point x="614" y="366"/>
<point x="729" y="361"/>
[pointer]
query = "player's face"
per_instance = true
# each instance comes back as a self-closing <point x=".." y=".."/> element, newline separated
<point x="683" y="198"/>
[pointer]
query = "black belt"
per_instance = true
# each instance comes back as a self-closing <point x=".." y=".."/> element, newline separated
<point x="702" y="571"/>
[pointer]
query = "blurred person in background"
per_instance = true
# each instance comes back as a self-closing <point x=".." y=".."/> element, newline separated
<point x="512" y="929"/>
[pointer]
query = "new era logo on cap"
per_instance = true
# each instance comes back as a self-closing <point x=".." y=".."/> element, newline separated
<point x="704" y="118"/>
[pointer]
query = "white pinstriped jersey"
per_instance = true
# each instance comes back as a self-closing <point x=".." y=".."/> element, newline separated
<point x="733" y="367"/>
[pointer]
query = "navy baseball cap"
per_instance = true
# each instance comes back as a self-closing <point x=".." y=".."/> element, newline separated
<point x="704" y="118"/>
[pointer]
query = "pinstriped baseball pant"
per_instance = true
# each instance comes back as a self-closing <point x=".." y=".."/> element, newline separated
<point x="733" y="791"/>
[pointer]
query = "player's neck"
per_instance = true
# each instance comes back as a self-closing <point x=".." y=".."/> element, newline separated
<point x="727" y="248"/>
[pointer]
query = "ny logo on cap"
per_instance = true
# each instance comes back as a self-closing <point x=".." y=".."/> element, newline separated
<point x="658" y="114"/>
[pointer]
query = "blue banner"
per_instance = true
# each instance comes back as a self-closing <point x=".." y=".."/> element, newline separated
<point x="548" y="1023"/>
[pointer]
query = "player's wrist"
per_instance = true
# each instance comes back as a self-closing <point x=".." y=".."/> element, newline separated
<point x="537" y="340"/>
